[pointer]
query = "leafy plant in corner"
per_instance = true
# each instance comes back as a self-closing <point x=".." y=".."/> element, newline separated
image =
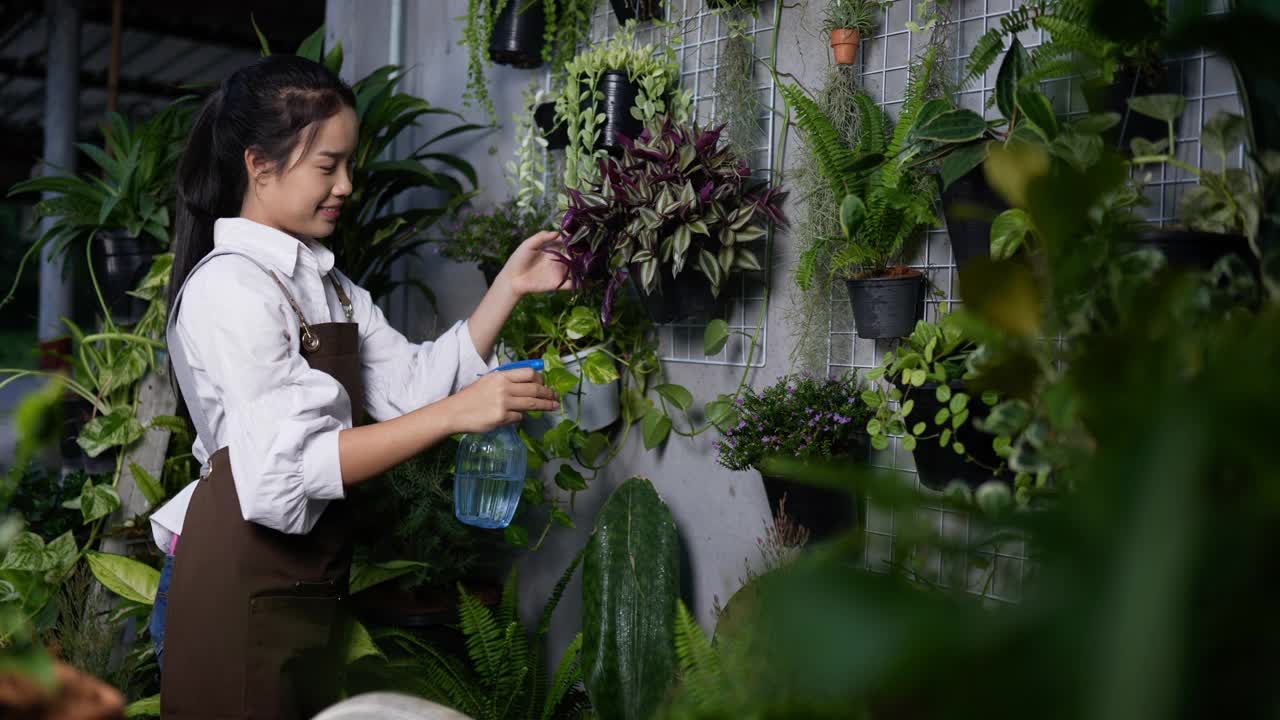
<point x="488" y="237"/>
<point x="675" y="197"/>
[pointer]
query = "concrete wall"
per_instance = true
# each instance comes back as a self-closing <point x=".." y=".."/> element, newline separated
<point x="720" y="513"/>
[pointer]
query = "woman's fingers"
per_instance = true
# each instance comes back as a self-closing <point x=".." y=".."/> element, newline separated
<point x="532" y="390"/>
<point x="539" y="240"/>
<point x="524" y="375"/>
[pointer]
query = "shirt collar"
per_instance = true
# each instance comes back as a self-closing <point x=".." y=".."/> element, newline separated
<point x="268" y="245"/>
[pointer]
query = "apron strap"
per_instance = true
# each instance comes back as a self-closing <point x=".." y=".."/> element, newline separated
<point x="181" y="365"/>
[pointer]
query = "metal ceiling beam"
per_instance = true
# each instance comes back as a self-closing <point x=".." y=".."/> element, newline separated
<point x="34" y="67"/>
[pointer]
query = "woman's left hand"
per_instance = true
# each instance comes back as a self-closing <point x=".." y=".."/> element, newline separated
<point x="531" y="269"/>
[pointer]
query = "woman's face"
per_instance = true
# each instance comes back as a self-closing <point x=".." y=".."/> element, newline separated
<point x="305" y="196"/>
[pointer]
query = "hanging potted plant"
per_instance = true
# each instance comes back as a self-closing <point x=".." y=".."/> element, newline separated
<point x="1217" y="216"/>
<point x="122" y="207"/>
<point x="675" y="201"/>
<point x="847" y="21"/>
<point x="884" y="203"/>
<point x="517" y="35"/>
<point x="578" y="356"/>
<point x="807" y="418"/>
<point x="612" y="91"/>
<point x="929" y="404"/>
<point x="638" y="10"/>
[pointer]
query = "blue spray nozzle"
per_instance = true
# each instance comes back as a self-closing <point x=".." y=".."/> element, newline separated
<point x="535" y="364"/>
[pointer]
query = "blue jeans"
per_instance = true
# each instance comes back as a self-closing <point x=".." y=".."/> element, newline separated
<point x="158" y="610"/>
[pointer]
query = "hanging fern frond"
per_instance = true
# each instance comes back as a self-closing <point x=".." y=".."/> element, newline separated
<point x="835" y="158"/>
<point x="450" y="683"/>
<point x="872" y="135"/>
<point x="567" y="676"/>
<point x="484" y="636"/>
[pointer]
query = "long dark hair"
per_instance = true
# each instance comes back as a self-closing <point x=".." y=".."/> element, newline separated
<point x="265" y="106"/>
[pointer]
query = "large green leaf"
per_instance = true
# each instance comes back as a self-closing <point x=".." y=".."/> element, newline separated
<point x="146" y="707"/>
<point x="1008" y="232"/>
<point x="569" y="479"/>
<point x="677" y="395"/>
<point x="1037" y="108"/>
<point x="954" y="126"/>
<point x="599" y="369"/>
<point x="97" y="501"/>
<point x="125" y="577"/>
<point x="715" y="337"/>
<point x="630" y="583"/>
<point x="959" y="162"/>
<point x="1017" y="63"/>
<point x="104" y="432"/>
<point x="359" y="643"/>
<point x="1161" y="107"/>
<point x="151" y="488"/>
<point x="655" y="428"/>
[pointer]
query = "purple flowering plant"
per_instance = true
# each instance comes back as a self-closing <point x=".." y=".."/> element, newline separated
<point x="799" y="416"/>
<point x="677" y="200"/>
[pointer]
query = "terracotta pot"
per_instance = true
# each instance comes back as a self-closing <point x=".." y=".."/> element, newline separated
<point x="78" y="697"/>
<point x="844" y="41"/>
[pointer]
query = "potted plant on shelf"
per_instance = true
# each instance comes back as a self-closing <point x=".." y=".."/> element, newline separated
<point x="1220" y="214"/>
<point x="613" y="90"/>
<point x="884" y="203"/>
<point x="804" y="417"/>
<point x="121" y="208"/>
<point x="675" y="200"/>
<point x="638" y="10"/>
<point x="846" y="21"/>
<point x="488" y="237"/>
<point x="928" y="403"/>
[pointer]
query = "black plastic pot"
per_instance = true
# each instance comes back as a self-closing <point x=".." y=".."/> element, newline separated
<point x="937" y="466"/>
<point x="641" y="10"/>
<point x="1197" y="250"/>
<point x="619" y="96"/>
<point x="886" y="307"/>
<point x="1132" y="82"/>
<point x="120" y="262"/>
<point x="970" y="204"/>
<point x="685" y="298"/>
<point x="518" y="36"/>
<point x="544" y="116"/>
<point x="823" y="511"/>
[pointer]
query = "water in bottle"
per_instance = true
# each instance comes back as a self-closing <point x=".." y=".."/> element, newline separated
<point x="489" y="472"/>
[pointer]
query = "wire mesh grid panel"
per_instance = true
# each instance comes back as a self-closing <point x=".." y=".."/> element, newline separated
<point x="698" y="34"/>
<point x="999" y="569"/>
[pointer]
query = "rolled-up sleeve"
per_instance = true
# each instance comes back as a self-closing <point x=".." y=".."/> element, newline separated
<point x="401" y="376"/>
<point x="281" y="417"/>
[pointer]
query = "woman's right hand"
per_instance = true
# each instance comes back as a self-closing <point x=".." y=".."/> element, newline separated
<point x="501" y="398"/>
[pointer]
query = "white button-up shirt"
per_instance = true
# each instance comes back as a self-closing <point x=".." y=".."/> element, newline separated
<point x="280" y="417"/>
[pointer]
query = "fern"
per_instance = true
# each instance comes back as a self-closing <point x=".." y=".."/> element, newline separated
<point x="835" y="158"/>
<point x="700" y="670"/>
<point x="484" y="636"/>
<point x="872" y="134"/>
<point x="567" y="676"/>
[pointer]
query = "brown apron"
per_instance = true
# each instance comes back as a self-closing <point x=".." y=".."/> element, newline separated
<point x="254" y="623"/>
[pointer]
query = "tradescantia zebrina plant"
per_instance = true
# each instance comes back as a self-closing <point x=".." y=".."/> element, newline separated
<point x="675" y="199"/>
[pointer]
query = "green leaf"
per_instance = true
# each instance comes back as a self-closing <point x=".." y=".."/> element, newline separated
<point x="1161" y="107"/>
<point x="594" y="447"/>
<point x="172" y="423"/>
<point x="1037" y="108"/>
<point x="1142" y="147"/>
<point x="1008" y="79"/>
<point x="852" y="214"/>
<point x="954" y="126"/>
<point x="909" y="443"/>
<point x="146" y="707"/>
<point x="150" y="487"/>
<point x="561" y="380"/>
<point x="1095" y="123"/>
<point x="359" y="643"/>
<point x="516" y="535"/>
<point x="872" y="398"/>
<point x="919" y="428"/>
<point x="676" y="395"/>
<point x="119" y="428"/>
<point x="125" y="577"/>
<point x="599" y="369"/>
<point x="942" y="416"/>
<point x="1007" y="418"/>
<point x="583" y="322"/>
<point x="333" y="59"/>
<point x="720" y="412"/>
<point x="959" y="162"/>
<point x="715" y="337"/>
<point x="262" y="39"/>
<point x="26" y="552"/>
<point x="569" y="479"/>
<point x="1223" y="133"/>
<point x="874" y="427"/>
<point x="312" y="46"/>
<point x="365" y="575"/>
<point x="1008" y="233"/>
<point x="943" y="393"/>
<point x="97" y="501"/>
<point x="635" y="404"/>
<point x="959" y="401"/>
<point x="561" y="518"/>
<point x="918" y="377"/>
<point x="655" y="428"/>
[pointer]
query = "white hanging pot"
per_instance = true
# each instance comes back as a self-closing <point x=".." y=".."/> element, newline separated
<point x="592" y="406"/>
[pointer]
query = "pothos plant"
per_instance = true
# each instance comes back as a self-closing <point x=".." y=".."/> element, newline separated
<point x="655" y="71"/>
<point x="676" y="196"/>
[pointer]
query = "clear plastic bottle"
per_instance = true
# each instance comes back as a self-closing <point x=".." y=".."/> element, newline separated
<point x="489" y="471"/>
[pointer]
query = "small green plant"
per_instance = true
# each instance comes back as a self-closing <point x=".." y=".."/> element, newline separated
<point x="656" y="71"/>
<point x="488" y="237"/>
<point x="860" y="15"/>
<point x="942" y="356"/>
<point x="799" y="416"/>
<point x="1225" y="201"/>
